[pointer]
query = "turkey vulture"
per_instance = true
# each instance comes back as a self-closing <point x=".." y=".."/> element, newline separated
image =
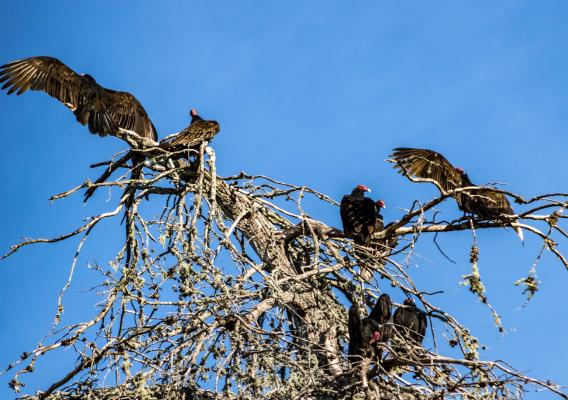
<point x="103" y="110"/>
<point x="410" y="322"/>
<point x="358" y="215"/>
<point x="198" y="131"/>
<point x="382" y="313"/>
<point x="362" y="334"/>
<point x="485" y="203"/>
<point x="379" y="221"/>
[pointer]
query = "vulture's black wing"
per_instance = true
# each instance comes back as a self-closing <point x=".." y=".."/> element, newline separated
<point x="423" y="163"/>
<point x="103" y="110"/>
<point x="422" y="325"/>
<point x="490" y="204"/>
<point x="358" y="216"/>
<point x="47" y="74"/>
<point x="410" y="322"/>
<point x="379" y="220"/>
<point x="122" y="108"/>
<point x="194" y="134"/>
<point x="354" y="329"/>
<point x="486" y="203"/>
<point x="381" y="312"/>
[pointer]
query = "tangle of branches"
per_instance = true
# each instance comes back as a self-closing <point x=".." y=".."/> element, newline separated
<point x="234" y="291"/>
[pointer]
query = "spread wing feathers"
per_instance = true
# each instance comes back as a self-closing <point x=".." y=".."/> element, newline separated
<point x="194" y="134"/>
<point x="358" y="217"/>
<point x="411" y="323"/>
<point x="103" y="110"/>
<point x="423" y="163"/>
<point x="46" y="74"/>
<point x="354" y="329"/>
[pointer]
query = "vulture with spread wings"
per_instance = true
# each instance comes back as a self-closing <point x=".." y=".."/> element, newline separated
<point x="486" y="203"/>
<point x="103" y="110"/>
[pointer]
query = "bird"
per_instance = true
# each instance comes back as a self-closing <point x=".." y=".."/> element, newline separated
<point x="358" y="215"/>
<point x="379" y="220"/>
<point x="362" y="334"/>
<point x="103" y="110"/>
<point x="385" y="245"/>
<point x="486" y="203"/>
<point x="197" y="132"/>
<point x="410" y="323"/>
<point x="382" y="315"/>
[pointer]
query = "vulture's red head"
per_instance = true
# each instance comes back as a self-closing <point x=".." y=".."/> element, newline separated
<point x="376" y="336"/>
<point x="381" y="204"/>
<point x="408" y="302"/>
<point x="194" y="116"/>
<point x="459" y="170"/>
<point x="362" y="188"/>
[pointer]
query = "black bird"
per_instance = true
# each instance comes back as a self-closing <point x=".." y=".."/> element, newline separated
<point x="382" y="314"/>
<point x="485" y="203"/>
<point x="410" y="322"/>
<point x="358" y="215"/>
<point x="362" y="334"/>
<point x="382" y="245"/>
<point x="103" y="110"/>
<point x="379" y="221"/>
<point x="198" y="131"/>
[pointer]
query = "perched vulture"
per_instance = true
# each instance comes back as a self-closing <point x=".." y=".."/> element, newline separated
<point x="410" y="322"/>
<point x="383" y="245"/>
<point x="358" y="215"/>
<point x="103" y="110"/>
<point x="198" y="131"/>
<point x="362" y="334"/>
<point x="422" y="163"/>
<point x="379" y="221"/>
<point x="382" y="314"/>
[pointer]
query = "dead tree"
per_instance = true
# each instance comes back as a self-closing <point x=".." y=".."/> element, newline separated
<point x="234" y="291"/>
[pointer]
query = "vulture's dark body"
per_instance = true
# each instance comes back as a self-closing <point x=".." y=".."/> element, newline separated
<point x="196" y="133"/>
<point x="382" y="314"/>
<point x="410" y="323"/>
<point x="187" y="142"/>
<point x="379" y="220"/>
<point x="358" y="216"/>
<point x="360" y="334"/>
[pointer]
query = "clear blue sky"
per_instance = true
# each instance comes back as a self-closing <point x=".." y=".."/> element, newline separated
<point x="313" y="94"/>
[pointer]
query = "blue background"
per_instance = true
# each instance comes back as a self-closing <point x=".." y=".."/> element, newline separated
<point x="311" y="93"/>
